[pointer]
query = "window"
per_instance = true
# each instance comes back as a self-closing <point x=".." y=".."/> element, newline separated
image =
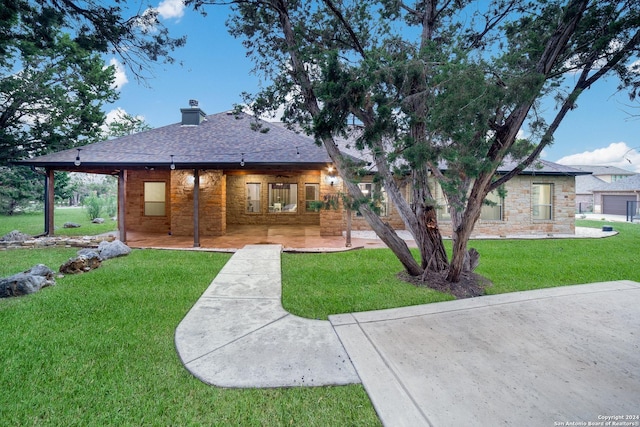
<point x="154" y="199"/>
<point x="381" y="204"/>
<point x="492" y="212"/>
<point x="542" y="201"/>
<point x="283" y="197"/>
<point x="253" y="197"/>
<point x="311" y="196"/>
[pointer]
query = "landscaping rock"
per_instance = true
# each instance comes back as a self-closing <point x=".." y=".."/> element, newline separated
<point x="15" y="236"/>
<point x="98" y="220"/>
<point x="28" y="282"/>
<point x="89" y="253"/>
<point x="71" y="225"/>
<point x="113" y="249"/>
<point x="81" y="264"/>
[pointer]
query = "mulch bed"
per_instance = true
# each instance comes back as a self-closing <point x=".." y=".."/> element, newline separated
<point x="470" y="284"/>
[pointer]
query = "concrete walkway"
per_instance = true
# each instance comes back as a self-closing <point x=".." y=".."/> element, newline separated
<point x="547" y="357"/>
<point x="238" y="335"/>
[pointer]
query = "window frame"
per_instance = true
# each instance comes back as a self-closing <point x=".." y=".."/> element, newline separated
<point x="146" y="195"/>
<point x="253" y="206"/>
<point x="277" y="207"/>
<point x="316" y="186"/>
<point x="548" y="206"/>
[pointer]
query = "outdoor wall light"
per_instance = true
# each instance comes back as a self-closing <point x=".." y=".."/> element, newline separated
<point x="77" y="161"/>
<point x="172" y="166"/>
<point x="241" y="159"/>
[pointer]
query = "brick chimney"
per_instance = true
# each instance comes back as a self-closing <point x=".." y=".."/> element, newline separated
<point x="192" y="116"/>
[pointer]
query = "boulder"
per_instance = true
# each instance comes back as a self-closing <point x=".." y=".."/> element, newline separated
<point x="71" y="225"/>
<point x="81" y="264"/>
<point x="113" y="249"/>
<point x="98" y="220"/>
<point x="89" y="253"/>
<point x="15" y="236"/>
<point x="27" y="282"/>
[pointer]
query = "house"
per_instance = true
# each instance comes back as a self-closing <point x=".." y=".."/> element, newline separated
<point x="209" y="172"/>
<point x="621" y="197"/>
<point x="600" y="191"/>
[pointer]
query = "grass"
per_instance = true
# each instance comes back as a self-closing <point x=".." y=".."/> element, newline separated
<point x="32" y="223"/>
<point x="97" y="349"/>
<point x="316" y="285"/>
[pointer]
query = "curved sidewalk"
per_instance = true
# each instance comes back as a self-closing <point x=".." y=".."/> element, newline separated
<point x="238" y="335"/>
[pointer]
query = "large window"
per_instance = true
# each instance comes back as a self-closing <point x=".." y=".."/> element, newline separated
<point x="311" y="197"/>
<point x="253" y="197"/>
<point x="154" y="199"/>
<point x="492" y="211"/>
<point x="283" y="197"/>
<point x="542" y="201"/>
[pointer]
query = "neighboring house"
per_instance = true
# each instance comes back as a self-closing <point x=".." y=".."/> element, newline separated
<point x="600" y="193"/>
<point x="196" y="177"/>
<point x="618" y="198"/>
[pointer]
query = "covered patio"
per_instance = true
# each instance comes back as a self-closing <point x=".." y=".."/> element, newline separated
<point x="293" y="238"/>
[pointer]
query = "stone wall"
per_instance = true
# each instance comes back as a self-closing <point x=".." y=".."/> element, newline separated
<point x="212" y="203"/>
<point x="57" y="241"/>
<point x="239" y="213"/>
<point x="517" y="218"/>
<point x="134" y="207"/>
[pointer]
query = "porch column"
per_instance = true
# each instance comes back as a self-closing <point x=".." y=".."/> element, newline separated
<point x="49" y="198"/>
<point x="196" y="208"/>
<point x="122" y="198"/>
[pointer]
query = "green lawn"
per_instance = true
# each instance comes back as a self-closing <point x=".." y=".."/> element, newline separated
<point x="97" y="349"/>
<point x="32" y="223"/>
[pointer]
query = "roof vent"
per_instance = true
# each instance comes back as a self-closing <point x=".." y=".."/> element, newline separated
<point x="192" y="116"/>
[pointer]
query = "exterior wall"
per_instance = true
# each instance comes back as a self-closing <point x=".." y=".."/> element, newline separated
<point x="584" y="203"/>
<point x="134" y="205"/>
<point x="517" y="210"/>
<point x="598" y="195"/>
<point x="332" y="219"/>
<point x="212" y="203"/>
<point x="236" y="195"/>
<point x="179" y="202"/>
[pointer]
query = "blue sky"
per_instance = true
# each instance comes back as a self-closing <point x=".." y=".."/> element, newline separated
<point x="215" y="71"/>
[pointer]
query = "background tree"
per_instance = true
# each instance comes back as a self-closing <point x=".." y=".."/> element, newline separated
<point x="441" y="88"/>
<point x="53" y="81"/>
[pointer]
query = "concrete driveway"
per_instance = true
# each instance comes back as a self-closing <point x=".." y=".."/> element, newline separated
<point x="553" y="357"/>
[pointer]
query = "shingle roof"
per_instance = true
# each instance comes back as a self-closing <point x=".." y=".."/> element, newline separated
<point x="630" y="183"/>
<point x="220" y="141"/>
<point x="586" y="183"/>
<point x="603" y="170"/>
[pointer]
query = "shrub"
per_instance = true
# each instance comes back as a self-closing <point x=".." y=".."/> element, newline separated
<point x="93" y="206"/>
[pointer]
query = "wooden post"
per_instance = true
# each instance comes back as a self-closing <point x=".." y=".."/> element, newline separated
<point x="348" y="243"/>
<point x="49" y="199"/>
<point x="196" y="208"/>
<point x="122" y="197"/>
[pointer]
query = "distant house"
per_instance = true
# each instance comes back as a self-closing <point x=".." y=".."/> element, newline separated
<point x="607" y="190"/>
<point x="207" y="172"/>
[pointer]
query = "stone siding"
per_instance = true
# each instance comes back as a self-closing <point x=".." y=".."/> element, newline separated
<point x="212" y="203"/>
<point x="134" y="206"/>
<point x="239" y="212"/>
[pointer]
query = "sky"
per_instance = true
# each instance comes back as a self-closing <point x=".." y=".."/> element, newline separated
<point x="213" y="69"/>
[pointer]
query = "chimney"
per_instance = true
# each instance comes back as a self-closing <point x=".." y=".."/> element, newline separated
<point x="192" y="116"/>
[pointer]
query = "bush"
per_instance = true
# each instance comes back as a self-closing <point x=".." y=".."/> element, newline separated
<point x="111" y="206"/>
<point x="93" y="206"/>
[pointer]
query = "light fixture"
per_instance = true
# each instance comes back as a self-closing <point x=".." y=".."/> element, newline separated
<point x="241" y="159"/>
<point x="297" y="153"/>
<point x="77" y="161"/>
<point x="172" y="166"/>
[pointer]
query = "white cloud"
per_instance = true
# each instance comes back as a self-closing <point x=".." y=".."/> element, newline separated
<point x="116" y="114"/>
<point x="120" y="74"/>
<point x="617" y="154"/>
<point x="169" y="9"/>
